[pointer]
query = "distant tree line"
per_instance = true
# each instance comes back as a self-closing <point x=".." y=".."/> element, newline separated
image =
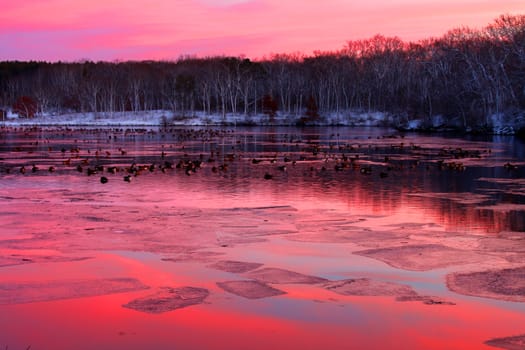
<point x="465" y="75"/>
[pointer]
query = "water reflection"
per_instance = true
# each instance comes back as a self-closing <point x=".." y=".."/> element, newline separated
<point x="299" y="201"/>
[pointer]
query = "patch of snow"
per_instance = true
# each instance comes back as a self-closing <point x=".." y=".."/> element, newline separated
<point x="11" y="115"/>
<point x="507" y="123"/>
<point x="151" y="118"/>
<point x="163" y="117"/>
<point x="354" y="118"/>
<point x="503" y="124"/>
<point x="415" y="124"/>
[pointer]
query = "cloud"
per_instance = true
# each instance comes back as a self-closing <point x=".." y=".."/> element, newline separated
<point x="224" y="2"/>
<point x="61" y="29"/>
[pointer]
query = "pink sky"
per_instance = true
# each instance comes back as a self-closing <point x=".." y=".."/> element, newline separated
<point x="166" y="29"/>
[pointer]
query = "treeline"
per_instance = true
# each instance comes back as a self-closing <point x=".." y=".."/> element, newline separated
<point x="465" y="75"/>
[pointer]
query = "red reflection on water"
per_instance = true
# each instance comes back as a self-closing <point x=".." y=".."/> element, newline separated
<point x="380" y="322"/>
<point x="192" y="221"/>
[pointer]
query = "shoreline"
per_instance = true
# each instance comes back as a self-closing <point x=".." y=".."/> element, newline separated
<point x="167" y="119"/>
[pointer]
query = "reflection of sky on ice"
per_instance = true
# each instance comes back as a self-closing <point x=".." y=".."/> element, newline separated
<point x="167" y="229"/>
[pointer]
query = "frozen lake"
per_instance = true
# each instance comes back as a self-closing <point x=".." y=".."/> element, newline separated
<point x="315" y="238"/>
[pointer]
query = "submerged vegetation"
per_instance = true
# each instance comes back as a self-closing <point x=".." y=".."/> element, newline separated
<point x="467" y="77"/>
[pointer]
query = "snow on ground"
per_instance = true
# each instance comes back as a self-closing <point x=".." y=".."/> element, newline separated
<point x="150" y="118"/>
<point x="498" y="123"/>
<point x="160" y="117"/>
<point x="505" y="124"/>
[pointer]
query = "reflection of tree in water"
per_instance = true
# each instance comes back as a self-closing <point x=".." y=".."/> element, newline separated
<point x="366" y="169"/>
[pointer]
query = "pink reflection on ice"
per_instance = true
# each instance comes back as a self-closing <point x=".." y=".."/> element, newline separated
<point x="169" y="227"/>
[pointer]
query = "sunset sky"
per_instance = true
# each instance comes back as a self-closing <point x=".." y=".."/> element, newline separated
<point x="68" y="30"/>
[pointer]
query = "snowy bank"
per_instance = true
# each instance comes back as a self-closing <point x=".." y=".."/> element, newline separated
<point x="501" y="124"/>
<point x="168" y="118"/>
<point x="512" y="123"/>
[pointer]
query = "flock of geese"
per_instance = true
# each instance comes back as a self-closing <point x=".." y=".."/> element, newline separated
<point x="278" y="154"/>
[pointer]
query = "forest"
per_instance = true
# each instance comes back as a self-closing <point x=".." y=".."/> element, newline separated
<point x="465" y="76"/>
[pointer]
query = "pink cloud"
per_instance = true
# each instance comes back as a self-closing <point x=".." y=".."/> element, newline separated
<point x="129" y="28"/>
